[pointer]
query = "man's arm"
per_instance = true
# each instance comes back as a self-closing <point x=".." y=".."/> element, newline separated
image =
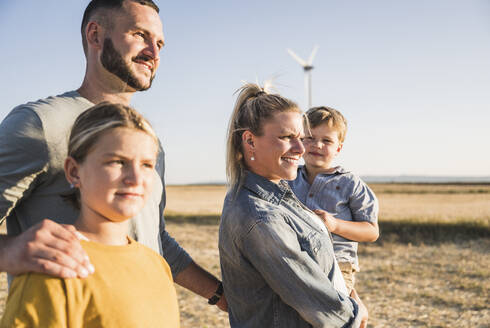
<point x="185" y="271"/>
<point x="46" y="247"/>
<point x="201" y="282"/>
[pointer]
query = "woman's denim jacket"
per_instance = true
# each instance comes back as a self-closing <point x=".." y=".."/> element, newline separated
<point x="277" y="264"/>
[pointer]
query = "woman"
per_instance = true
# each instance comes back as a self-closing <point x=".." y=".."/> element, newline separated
<point x="276" y="256"/>
<point x="111" y="161"/>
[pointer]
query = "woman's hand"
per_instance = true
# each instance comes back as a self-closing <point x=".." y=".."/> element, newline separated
<point x="363" y="312"/>
<point x="328" y="219"/>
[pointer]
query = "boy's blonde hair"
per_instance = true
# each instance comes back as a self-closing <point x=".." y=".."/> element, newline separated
<point x="333" y="118"/>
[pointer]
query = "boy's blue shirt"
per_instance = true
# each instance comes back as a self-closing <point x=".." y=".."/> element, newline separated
<point x="345" y="196"/>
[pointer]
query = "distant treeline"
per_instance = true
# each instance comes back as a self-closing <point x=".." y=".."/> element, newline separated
<point x="416" y="232"/>
<point x="411" y="179"/>
<point x="430" y="188"/>
<point x="408" y="231"/>
<point x="401" y="179"/>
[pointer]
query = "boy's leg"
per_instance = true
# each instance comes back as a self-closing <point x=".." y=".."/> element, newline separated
<point x="348" y="272"/>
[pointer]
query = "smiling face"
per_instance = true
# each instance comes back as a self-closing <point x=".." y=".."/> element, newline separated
<point x="116" y="177"/>
<point x="277" y="151"/>
<point x="131" y="47"/>
<point x="322" y="145"/>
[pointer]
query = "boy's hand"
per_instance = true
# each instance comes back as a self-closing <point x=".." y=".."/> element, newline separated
<point x="47" y="247"/>
<point x="328" y="219"/>
<point x="363" y="312"/>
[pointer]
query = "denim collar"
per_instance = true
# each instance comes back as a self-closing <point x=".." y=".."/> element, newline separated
<point x="266" y="189"/>
<point x="337" y="170"/>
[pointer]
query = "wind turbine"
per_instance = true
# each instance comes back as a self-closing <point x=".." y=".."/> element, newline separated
<point x="307" y="67"/>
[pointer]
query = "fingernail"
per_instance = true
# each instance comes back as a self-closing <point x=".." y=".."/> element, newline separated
<point x="87" y="258"/>
<point x="83" y="273"/>
<point x="91" y="268"/>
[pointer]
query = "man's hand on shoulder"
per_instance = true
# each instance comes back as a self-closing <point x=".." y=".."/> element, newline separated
<point x="47" y="247"/>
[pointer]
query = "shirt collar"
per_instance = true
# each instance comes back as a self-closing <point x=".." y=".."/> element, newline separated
<point x="265" y="188"/>
<point x="337" y="170"/>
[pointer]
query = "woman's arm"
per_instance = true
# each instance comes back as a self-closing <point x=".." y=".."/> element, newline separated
<point x="273" y="248"/>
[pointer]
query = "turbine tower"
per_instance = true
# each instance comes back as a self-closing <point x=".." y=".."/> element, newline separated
<point x="307" y="67"/>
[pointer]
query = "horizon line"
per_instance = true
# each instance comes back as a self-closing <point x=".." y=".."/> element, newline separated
<point x="402" y="178"/>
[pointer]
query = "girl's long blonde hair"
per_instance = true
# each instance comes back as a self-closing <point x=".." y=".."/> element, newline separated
<point x="92" y="124"/>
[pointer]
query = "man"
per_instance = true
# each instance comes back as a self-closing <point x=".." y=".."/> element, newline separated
<point x="122" y="40"/>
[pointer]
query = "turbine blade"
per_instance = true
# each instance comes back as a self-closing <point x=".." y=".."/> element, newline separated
<point x="312" y="56"/>
<point x="297" y="58"/>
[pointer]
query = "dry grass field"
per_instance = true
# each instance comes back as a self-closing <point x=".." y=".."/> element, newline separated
<point x="429" y="268"/>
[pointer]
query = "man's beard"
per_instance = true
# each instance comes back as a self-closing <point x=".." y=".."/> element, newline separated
<point x="112" y="61"/>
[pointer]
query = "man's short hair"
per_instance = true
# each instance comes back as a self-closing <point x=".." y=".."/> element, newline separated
<point x="327" y="115"/>
<point x="96" y="5"/>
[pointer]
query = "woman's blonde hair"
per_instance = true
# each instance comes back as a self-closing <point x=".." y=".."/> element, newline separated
<point x="253" y="107"/>
<point x="93" y="123"/>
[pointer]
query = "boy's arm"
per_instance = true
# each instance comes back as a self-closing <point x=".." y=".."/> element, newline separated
<point x="352" y="230"/>
<point x="364" y="207"/>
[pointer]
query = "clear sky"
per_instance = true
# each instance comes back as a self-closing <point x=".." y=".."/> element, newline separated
<point x="411" y="77"/>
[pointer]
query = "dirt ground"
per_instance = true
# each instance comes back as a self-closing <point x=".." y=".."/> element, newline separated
<point x="406" y="280"/>
<point x="403" y="285"/>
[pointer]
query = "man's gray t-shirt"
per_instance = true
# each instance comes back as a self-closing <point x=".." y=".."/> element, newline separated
<point x="33" y="147"/>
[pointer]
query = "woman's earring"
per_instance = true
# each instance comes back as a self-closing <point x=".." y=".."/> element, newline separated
<point x="250" y="142"/>
<point x="72" y="185"/>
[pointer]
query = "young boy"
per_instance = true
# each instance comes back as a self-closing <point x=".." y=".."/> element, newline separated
<point x="346" y="205"/>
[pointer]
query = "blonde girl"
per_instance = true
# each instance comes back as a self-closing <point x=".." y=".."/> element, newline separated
<point x="110" y="165"/>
